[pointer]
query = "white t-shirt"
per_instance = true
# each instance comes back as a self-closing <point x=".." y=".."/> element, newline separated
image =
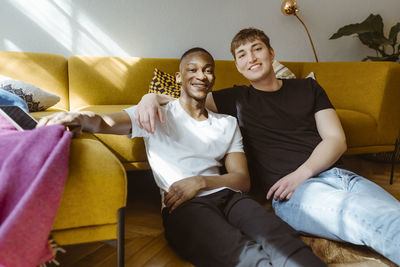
<point x="184" y="147"/>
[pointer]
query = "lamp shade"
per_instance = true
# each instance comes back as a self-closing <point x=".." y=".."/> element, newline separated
<point x="289" y="7"/>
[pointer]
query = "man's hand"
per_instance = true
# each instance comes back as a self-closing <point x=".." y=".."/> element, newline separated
<point x="147" y="111"/>
<point x="182" y="191"/>
<point x="72" y="120"/>
<point x="324" y="155"/>
<point x="285" y="187"/>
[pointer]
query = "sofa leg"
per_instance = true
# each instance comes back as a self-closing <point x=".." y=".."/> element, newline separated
<point x="396" y="148"/>
<point x="121" y="238"/>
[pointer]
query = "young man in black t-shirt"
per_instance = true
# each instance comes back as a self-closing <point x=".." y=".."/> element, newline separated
<point x="293" y="139"/>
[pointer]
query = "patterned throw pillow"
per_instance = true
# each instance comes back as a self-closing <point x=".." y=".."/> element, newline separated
<point x="281" y="71"/>
<point x="165" y="84"/>
<point x="35" y="98"/>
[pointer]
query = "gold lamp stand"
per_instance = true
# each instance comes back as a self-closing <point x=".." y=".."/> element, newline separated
<point x="289" y="8"/>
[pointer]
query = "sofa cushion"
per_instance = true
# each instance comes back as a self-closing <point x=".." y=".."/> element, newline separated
<point x="360" y="128"/>
<point x="165" y="84"/>
<point x="112" y="80"/>
<point x="46" y="71"/>
<point x="131" y="152"/>
<point x="35" y="98"/>
<point x="281" y="71"/>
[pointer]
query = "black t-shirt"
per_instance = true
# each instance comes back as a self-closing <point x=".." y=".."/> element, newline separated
<point x="278" y="128"/>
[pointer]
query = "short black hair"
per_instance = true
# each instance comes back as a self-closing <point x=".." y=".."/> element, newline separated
<point x="194" y="50"/>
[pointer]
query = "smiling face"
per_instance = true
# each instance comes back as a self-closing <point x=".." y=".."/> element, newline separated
<point x="196" y="74"/>
<point x="254" y="60"/>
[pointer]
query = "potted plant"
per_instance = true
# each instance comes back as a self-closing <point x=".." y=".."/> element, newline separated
<point x="370" y="33"/>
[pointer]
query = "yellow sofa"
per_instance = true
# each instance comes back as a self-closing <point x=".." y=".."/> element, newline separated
<point x="93" y="201"/>
<point x="365" y="95"/>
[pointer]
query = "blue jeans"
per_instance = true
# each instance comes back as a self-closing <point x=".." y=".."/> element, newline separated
<point x="343" y="206"/>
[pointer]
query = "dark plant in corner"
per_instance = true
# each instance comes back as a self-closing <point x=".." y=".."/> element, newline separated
<point x="370" y="33"/>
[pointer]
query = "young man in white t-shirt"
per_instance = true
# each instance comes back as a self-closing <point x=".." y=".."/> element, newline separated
<point x="207" y="216"/>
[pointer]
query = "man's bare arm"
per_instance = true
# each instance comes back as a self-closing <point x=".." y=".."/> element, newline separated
<point x="236" y="178"/>
<point x="86" y="121"/>
<point x="148" y="109"/>
<point x="324" y="155"/>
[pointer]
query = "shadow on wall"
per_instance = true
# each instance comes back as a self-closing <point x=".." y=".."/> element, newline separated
<point x="54" y="26"/>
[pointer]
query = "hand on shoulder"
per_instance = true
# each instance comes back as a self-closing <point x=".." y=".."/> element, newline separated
<point x="148" y="111"/>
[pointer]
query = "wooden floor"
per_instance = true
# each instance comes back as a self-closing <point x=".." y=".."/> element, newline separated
<point x="145" y="244"/>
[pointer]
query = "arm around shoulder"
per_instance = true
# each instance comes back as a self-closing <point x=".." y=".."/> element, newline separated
<point x="148" y="111"/>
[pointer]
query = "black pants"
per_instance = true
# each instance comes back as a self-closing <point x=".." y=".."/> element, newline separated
<point x="231" y="229"/>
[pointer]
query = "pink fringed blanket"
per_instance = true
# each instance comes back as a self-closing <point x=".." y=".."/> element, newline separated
<point x="33" y="169"/>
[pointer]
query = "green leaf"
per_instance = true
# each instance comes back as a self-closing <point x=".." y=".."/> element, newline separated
<point x="394" y="31"/>
<point x="373" y="23"/>
<point x="376" y="23"/>
<point x="370" y="33"/>
<point x="373" y="40"/>
<point x="350" y="29"/>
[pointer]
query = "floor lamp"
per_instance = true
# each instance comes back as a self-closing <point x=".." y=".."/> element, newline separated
<point x="289" y="8"/>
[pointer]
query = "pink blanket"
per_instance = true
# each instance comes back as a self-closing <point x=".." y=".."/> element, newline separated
<point x="33" y="170"/>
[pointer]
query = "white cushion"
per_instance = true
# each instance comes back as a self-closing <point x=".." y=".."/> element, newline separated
<point x="281" y="71"/>
<point x="35" y="98"/>
<point x="311" y="75"/>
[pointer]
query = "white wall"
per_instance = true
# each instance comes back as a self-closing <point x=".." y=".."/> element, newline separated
<point x="166" y="28"/>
